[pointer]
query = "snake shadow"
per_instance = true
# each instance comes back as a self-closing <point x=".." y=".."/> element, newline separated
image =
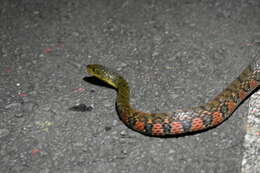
<point x="95" y="81"/>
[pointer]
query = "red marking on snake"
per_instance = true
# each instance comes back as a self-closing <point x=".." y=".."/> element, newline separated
<point x="242" y="94"/>
<point x="196" y="124"/>
<point x="253" y="84"/>
<point x="231" y="106"/>
<point x="157" y="129"/>
<point x="216" y="118"/>
<point x="124" y="117"/>
<point x="176" y="127"/>
<point x="139" y="125"/>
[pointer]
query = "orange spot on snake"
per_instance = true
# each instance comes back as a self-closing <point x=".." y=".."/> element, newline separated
<point x="242" y="94"/>
<point x="139" y="125"/>
<point x="176" y="127"/>
<point x="217" y="118"/>
<point x="196" y="124"/>
<point x="231" y="106"/>
<point x="253" y="84"/>
<point x="157" y="129"/>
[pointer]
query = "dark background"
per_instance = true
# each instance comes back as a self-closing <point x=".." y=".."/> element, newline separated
<point x="174" y="54"/>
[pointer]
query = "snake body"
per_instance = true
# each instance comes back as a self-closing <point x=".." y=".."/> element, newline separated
<point x="178" y="122"/>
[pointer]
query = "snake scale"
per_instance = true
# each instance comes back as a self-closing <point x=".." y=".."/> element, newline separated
<point x="184" y="121"/>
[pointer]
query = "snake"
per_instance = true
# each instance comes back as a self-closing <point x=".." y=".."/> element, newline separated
<point x="180" y="121"/>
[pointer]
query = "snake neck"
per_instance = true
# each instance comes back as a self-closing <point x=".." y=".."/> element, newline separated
<point x="123" y="102"/>
<point x="123" y="94"/>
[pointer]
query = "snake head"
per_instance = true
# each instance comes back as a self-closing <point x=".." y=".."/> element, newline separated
<point x="105" y="74"/>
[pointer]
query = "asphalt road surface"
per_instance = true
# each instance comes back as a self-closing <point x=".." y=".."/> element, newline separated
<point x="174" y="54"/>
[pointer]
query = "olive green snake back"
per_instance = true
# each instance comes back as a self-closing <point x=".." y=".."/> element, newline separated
<point x="180" y="121"/>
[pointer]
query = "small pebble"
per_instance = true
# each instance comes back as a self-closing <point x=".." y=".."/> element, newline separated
<point x="19" y="115"/>
<point x="92" y="91"/>
<point x="107" y="128"/>
<point x="114" y="122"/>
<point x="124" y="151"/>
<point x="123" y="133"/>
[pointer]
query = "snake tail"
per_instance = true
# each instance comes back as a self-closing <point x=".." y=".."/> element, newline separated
<point x="180" y="121"/>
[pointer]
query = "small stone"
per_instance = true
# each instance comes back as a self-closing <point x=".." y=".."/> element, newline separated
<point x="124" y="151"/>
<point x="19" y="115"/>
<point x="214" y="133"/>
<point x="107" y="128"/>
<point x="114" y="122"/>
<point x="123" y="133"/>
<point x="41" y="55"/>
<point x="92" y="91"/>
